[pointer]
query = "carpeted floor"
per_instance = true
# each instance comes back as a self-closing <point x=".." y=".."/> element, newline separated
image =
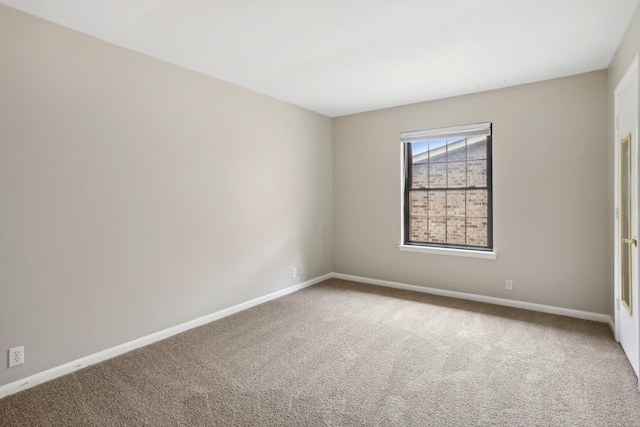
<point x="346" y="354"/>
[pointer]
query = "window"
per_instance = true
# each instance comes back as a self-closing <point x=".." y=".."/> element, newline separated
<point x="447" y="200"/>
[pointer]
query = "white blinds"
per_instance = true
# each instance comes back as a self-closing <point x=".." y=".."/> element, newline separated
<point x="479" y="129"/>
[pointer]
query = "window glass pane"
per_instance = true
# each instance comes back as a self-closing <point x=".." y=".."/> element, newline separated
<point x="456" y="174"/>
<point x="455" y="204"/>
<point x="477" y="231"/>
<point x="418" y="201"/>
<point x="437" y="230"/>
<point x="419" y="227"/>
<point x="456" y="149"/>
<point x="477" y="173"/>
<point x="420" y="149"/>
<point x="477" y="148"/>
<point x="437" y="175"/>
<point x="420" y="176"/>
<point x="436" y="202"/>
<point x="438" y="151"/>
<point x="477" y="201"/>
<point x="419" y="162"/>
<point x="456" y="231"/>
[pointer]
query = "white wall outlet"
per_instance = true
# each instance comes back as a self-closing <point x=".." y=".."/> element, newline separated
<point x="16" y="356"/>
<point x="509" y="285"/>
<point x="294" y="272"/>
<point x="300" y="271"/>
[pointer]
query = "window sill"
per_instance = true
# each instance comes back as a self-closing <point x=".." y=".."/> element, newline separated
<point x="447" y="251"/>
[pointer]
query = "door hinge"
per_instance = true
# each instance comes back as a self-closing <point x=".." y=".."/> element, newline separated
<point x="617" y="303"/>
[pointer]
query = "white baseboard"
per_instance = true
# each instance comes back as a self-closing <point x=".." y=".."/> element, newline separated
<point x="83" y="362"/>
<point x="480" y="298"/>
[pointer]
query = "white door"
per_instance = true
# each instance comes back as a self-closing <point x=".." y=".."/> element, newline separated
<point x="626" y="244"/>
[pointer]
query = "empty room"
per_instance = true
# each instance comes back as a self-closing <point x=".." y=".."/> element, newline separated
<point x="319" y="212"/>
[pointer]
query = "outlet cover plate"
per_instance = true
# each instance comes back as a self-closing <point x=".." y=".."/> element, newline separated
<point x="16" y="356"/>
<point x="509" y="285"/>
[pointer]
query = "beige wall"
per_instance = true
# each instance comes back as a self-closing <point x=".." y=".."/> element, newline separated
<point x="551" y="226"/>
<point x="136" y="195"/>
<point x="627" y="51"/>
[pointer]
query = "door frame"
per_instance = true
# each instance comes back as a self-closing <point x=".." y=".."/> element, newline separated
<point x="632" y="72"/>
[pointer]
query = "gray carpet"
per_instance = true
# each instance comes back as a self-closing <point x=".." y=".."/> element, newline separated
<point x="346" y="354"/>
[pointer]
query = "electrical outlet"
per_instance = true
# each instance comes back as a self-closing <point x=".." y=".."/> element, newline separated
<point x="300" y="271"/>
<point x="16" y="356"/>
<point x="294" y="272"/>
<point x="509" y="285"/>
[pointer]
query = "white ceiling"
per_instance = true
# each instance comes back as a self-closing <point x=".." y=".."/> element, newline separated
<point x="339" y="57"/>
